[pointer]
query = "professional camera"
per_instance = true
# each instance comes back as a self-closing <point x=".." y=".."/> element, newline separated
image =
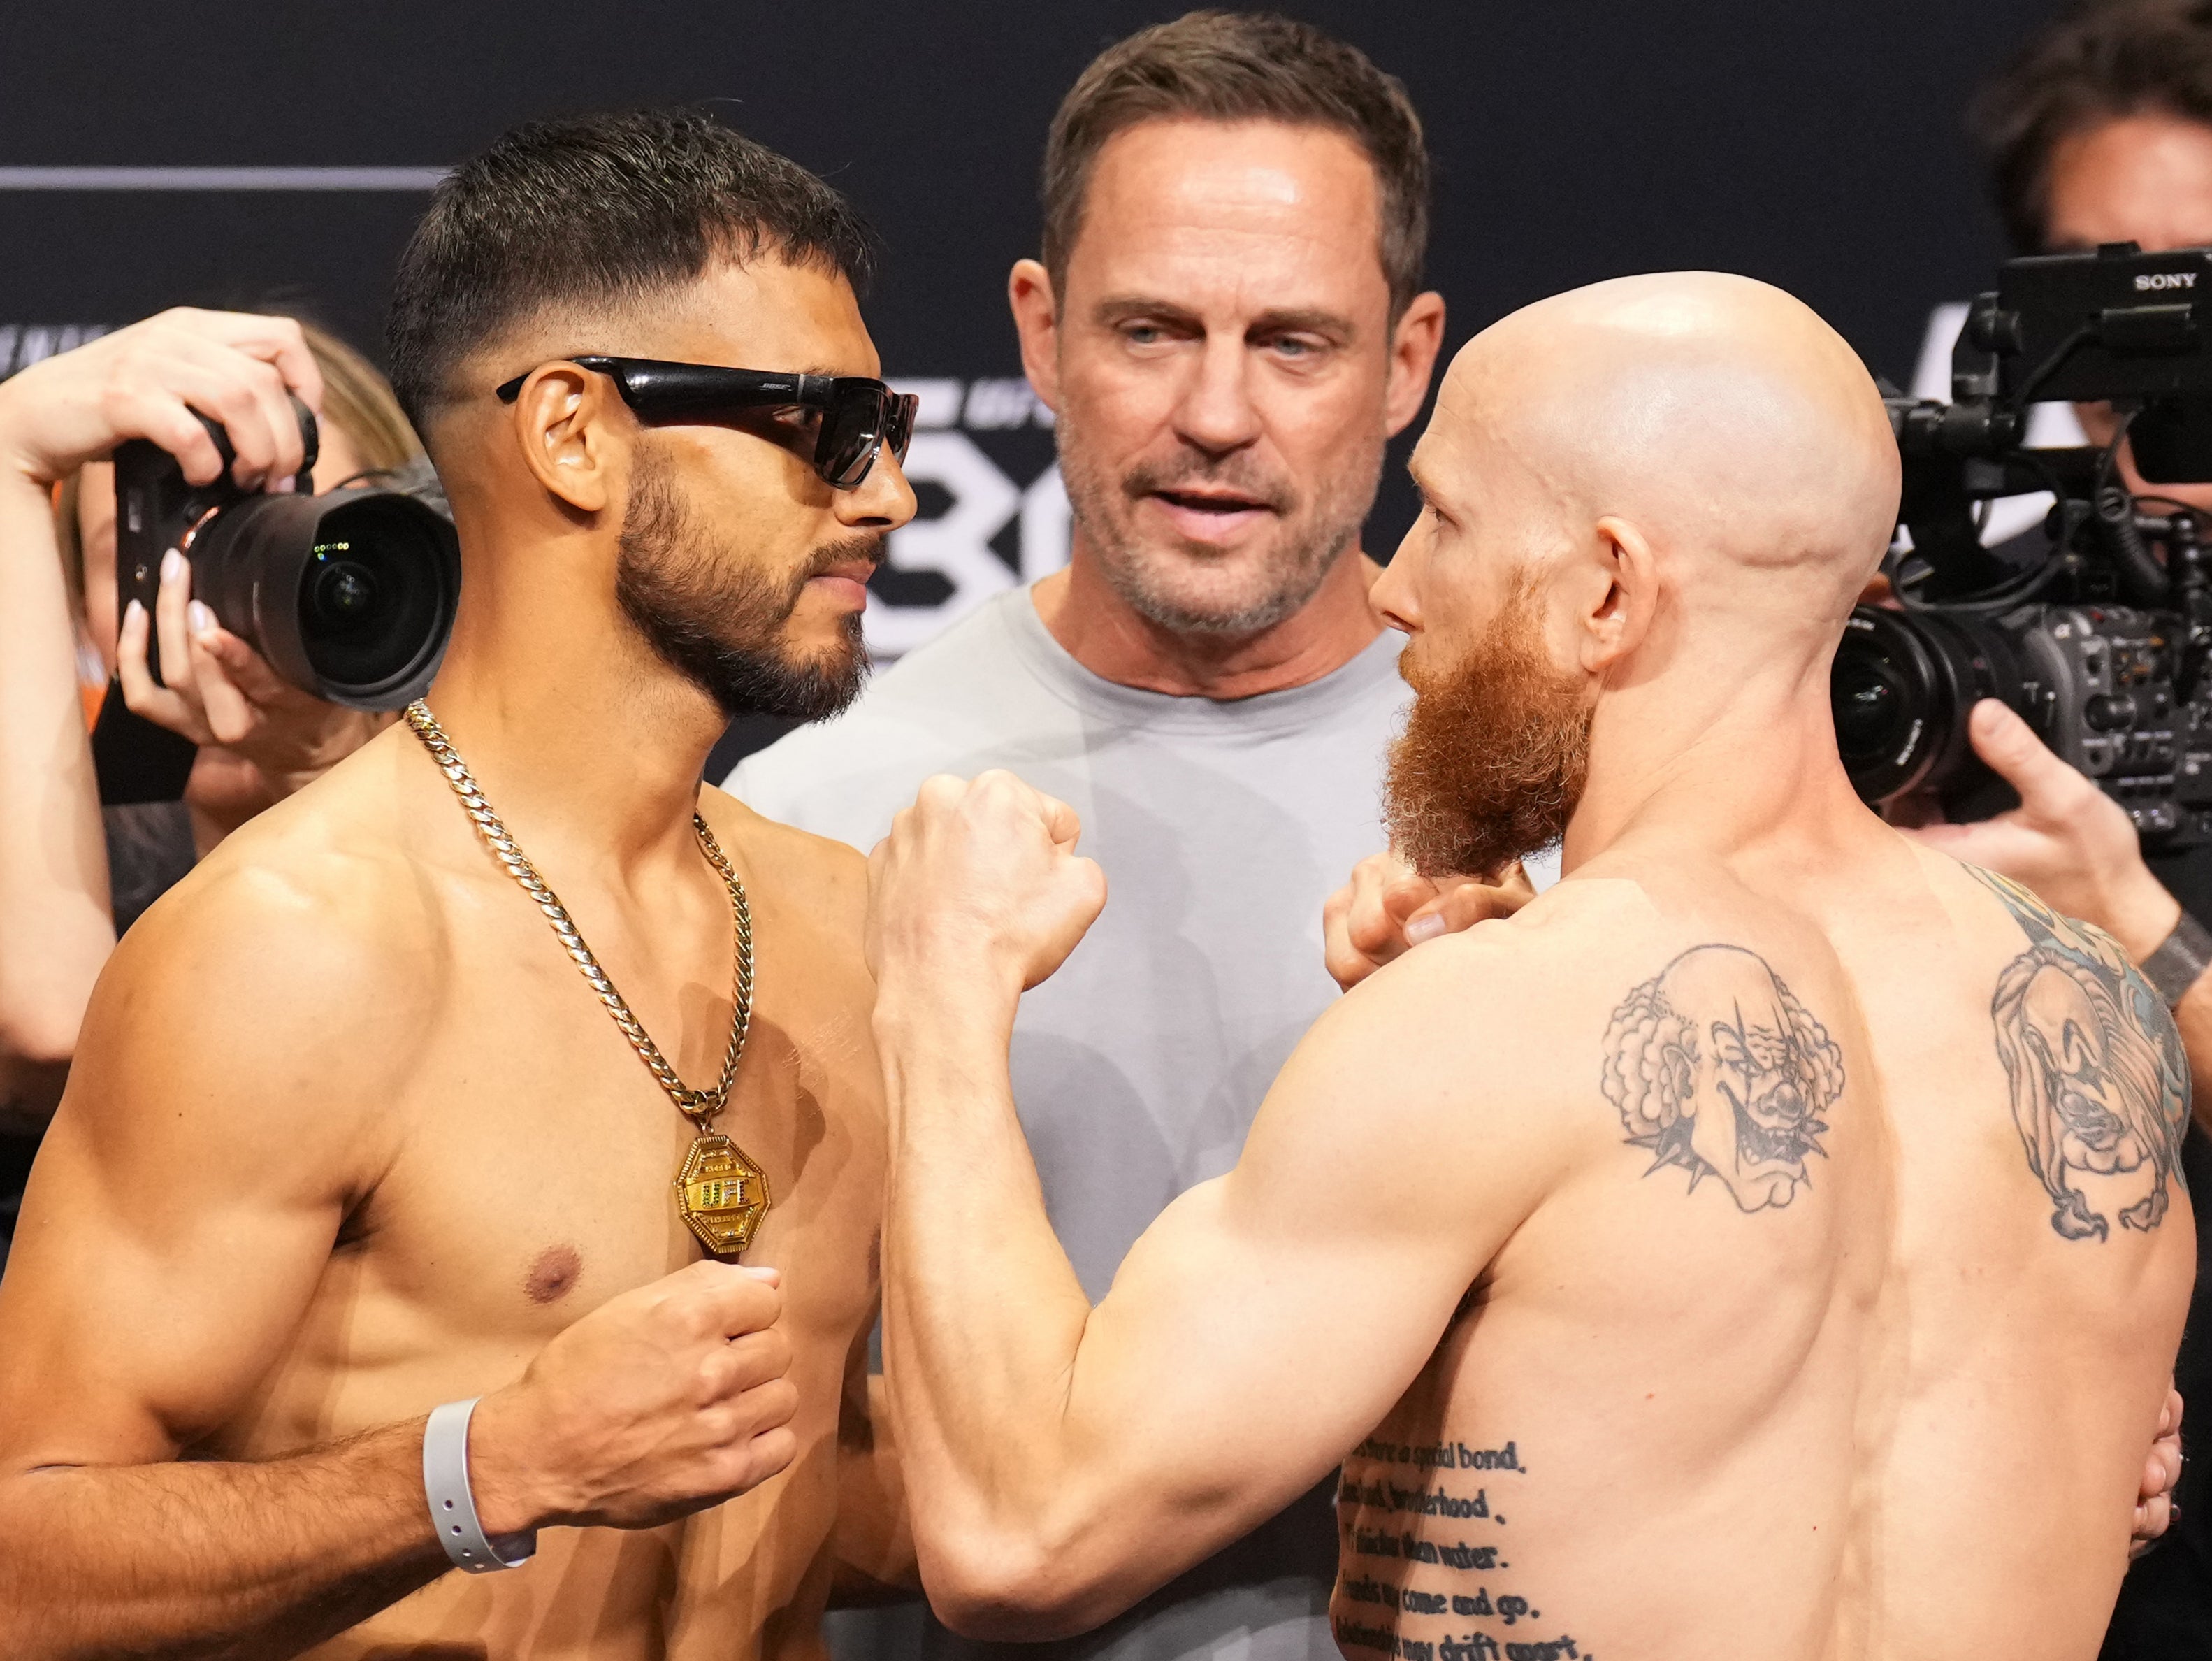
<point x="2100" y="635"/>
<point x="349" y="596"/>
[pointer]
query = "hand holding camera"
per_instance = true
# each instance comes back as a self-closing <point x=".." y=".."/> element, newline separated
<point x="2068" y="840"/>
<point x="149" y="381"/>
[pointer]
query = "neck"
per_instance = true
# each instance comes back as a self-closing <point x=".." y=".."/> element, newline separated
<point x="579" y="735"/>
<point x="1103" y="633"/>
<point x="1716" y="759"/>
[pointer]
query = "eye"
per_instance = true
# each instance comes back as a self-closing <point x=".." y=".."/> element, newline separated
<point x="1143" y="334"/>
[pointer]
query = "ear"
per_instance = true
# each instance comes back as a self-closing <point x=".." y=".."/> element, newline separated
<point x="1620" y="620"/>
<point x="1037" y="321"/>
<point x="574" y="433"/>
<point x="1413" y="346"/>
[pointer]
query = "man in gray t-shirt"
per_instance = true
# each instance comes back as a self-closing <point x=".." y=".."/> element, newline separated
<point x="1227" y="325"/>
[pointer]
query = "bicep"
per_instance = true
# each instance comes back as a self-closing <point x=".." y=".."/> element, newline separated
<point x="1267" y="1321"/>
<point x="179" y="1216"/>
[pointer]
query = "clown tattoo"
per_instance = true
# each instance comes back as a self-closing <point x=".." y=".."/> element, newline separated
<point x="1713" y="1066"/>
<point x="2098" y="1083"/>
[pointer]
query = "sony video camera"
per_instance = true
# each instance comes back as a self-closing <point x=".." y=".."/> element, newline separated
<point x="349" y="596"/>
<point x="2098" y="633"/>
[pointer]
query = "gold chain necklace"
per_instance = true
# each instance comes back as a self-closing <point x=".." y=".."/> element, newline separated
<point x="720" y="1193"/>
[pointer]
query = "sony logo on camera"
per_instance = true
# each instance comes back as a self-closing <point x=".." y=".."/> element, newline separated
<point x="2147" y="281"/>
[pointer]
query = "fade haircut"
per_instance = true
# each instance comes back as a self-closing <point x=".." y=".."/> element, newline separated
<point x="2101" y="62"/>
<point x="594" y="211"/>
<point x="1243" y="66"/>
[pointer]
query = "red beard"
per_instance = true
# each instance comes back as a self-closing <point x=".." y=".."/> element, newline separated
<point x="1493" y="760"/>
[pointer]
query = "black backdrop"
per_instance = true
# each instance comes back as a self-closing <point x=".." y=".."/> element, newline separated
<point x="1815" y="143"/>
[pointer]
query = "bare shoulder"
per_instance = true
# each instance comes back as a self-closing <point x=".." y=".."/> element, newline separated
<point x="792" y="867"/>
<point x="2099" y="1081"/>
<point x="1492" y="1034"/>
<point x="297" y="963"/>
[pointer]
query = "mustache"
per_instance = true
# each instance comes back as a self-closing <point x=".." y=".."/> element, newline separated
<point x="1234" y="473"/>
<point x="872" y="546"/>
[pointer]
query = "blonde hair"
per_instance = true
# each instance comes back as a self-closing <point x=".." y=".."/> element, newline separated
<point x="357" y="400"/>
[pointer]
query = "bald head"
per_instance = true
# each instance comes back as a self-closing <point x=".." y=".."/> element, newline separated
<point x="1722" y="418"/>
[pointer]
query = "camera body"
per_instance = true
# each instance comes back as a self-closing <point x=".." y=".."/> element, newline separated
<point x="2101" y="640"/>
<point x="349" y="596"/>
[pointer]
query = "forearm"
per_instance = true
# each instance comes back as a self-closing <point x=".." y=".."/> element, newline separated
<point x="214" y="1560"/>
<point x="983" y="1315"/>
<point x="56" y="930"/>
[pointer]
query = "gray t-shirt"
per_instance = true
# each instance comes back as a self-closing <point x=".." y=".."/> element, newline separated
<point x="1137" y="1068"/>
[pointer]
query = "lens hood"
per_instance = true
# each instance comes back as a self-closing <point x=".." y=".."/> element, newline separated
<point x="350" y="596"/>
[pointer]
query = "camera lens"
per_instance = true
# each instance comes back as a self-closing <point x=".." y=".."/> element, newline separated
<point x="349" y="596"/>
<point x="342" y="595"/>
<point x="1900" y="690"/>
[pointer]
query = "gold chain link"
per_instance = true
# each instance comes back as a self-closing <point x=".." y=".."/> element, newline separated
<point x="702" y="1107"/>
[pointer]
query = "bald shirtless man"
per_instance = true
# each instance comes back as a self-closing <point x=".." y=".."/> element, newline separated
<point x="1765" y="1243"/>
<point x="349" y="1137"/>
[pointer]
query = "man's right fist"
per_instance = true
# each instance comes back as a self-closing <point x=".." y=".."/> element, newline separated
<point x="659" y="1403"/>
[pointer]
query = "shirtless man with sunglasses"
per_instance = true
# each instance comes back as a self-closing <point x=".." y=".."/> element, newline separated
<point x="351" y="1144"/>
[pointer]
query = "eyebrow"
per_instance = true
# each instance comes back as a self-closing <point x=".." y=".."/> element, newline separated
<point x="1277" y="320"/>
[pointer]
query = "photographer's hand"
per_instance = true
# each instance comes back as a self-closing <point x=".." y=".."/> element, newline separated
<point x="2076" y="848"/>
<point x="145" y="381"/>
<point x="231" y="698"/>
<point x="2068" y="841"/>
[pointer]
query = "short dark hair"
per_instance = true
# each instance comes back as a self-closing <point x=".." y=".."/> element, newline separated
<point x="598" y="209"/>
<point x="1243" y="66"/>
<point x="2099" y="62"/>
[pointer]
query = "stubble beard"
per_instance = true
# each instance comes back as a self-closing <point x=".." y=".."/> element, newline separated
<point x="1494" y="756"/>
<point x="1155" y="582"/>
<point x="719" y="623"/>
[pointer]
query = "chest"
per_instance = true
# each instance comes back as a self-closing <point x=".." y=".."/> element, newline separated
<point x="535" y="1158"/>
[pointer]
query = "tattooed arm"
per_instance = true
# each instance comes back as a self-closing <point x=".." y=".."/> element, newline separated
<point x="1062" y="1461"/>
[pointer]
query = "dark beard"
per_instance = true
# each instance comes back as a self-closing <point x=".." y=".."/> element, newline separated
<point x="718" y="623"/>
<point x="1495" y="752"/>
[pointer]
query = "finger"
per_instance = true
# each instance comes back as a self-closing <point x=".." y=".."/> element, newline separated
<point x="1062" y="822"/>
<point x="279" y="341"/>
<point x="2010" y="746"/>
<point x="228" y="716"/>
<point x="141" y="695"/>
<point x="243" y="396"/>
<point x="728" y="1299"/>
<point x="170" y="598"/>
<point x="2170" y="1420"/>
<point x="1462" y="906"/>
<point x="246" y="668"/>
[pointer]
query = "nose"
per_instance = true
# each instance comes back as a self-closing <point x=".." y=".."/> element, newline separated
<point x="1393" y="595"/>
<point x="882" y="501"/>
<point x="1216" y="413"/>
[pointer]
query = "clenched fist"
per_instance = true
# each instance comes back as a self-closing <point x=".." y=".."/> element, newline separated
<point x="979" y="882"/>
<point x="658" y="1404"/>
<point x="1387" y="909"/>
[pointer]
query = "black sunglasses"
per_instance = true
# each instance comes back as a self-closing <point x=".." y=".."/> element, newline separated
<point x="860" y="416"/>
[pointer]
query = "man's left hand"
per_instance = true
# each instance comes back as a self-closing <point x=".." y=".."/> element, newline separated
<point x="1387" y="909"/>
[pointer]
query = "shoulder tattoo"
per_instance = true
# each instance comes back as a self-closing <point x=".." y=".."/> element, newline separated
<point x="2099" y="1081"/>
<point x="1714" y="1066"/>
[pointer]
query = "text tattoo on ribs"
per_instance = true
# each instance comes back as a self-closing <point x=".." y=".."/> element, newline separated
<point x="2098" y="1083"/>
<point x="1464" y="1613"/>
<point x="1715" y="1066"/>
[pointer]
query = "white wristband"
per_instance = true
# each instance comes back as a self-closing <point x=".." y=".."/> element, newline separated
<point x="453" y="1506"/>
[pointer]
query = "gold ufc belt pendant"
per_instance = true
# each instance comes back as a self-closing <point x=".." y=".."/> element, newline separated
<point x="720" y="1193"/>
